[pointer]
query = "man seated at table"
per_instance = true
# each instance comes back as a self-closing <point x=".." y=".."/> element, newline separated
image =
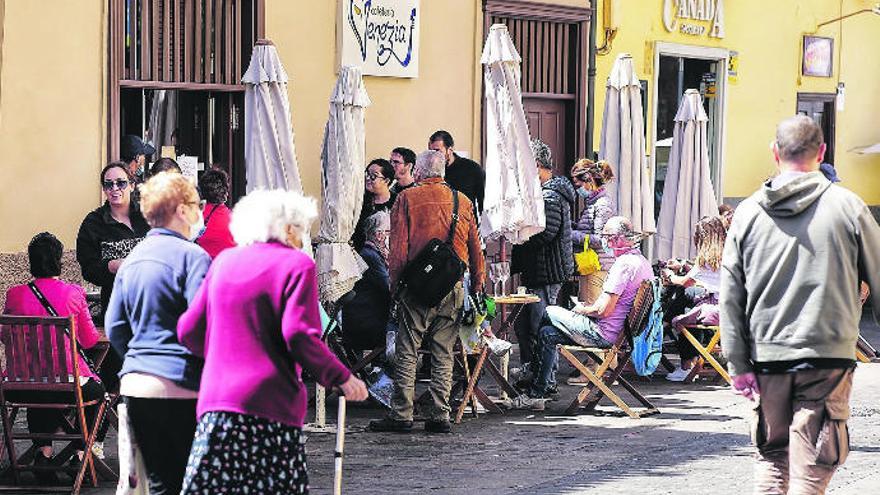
<point x="596" y="325"/>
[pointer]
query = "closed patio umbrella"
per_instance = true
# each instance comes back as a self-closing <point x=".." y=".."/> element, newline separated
<point x="342" y="175"/>
<point x="688" y="194"/>
<point x="514" y="206"/>
<point x="623" y="146"/>
<point x="269" y="152"/>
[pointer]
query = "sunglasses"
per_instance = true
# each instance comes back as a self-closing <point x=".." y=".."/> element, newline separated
<point x="108" y="185"/>
<point x="373" y="177"/>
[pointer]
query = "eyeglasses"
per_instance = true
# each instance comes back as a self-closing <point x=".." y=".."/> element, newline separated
<point x="372" y="177"/>
<point x="108" y="185"/>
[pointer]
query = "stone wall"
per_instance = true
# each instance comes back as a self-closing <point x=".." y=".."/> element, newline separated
<point x="14" y="270"/>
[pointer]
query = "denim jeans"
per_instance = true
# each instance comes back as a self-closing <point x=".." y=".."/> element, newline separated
<point x="530" y="321"/>
<point x="560" y="325"/>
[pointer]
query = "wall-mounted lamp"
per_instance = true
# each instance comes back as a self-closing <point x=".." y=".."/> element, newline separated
<point x="874" y="10"/>
<point x="609" y="24"/>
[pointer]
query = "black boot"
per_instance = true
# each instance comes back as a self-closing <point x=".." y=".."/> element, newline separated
<point x="392" y="425"/>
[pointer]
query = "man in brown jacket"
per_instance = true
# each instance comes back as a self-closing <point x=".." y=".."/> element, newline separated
<point x="420" y="214"/>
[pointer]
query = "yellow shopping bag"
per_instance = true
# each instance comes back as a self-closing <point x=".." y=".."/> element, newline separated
<point x="587" y="261"/>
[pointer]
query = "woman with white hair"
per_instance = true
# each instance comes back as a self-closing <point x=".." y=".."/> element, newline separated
<point x="255" y="322"/>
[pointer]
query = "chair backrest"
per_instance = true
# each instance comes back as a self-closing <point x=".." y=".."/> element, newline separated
<point x="638" y="315"/>
<point x="36" y="352"/>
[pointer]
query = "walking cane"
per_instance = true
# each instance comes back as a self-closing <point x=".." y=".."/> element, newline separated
<point x="340" y="443"/>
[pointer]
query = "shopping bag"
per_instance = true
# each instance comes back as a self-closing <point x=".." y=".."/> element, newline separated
<point x="587" y="261"/>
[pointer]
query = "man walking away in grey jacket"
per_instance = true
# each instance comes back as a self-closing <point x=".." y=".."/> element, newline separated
<point x="794" y="256"/>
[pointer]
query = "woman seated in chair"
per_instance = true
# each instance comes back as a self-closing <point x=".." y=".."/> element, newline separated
<point x="365" y="317"/>
<point x="701" y="283"/>
<point x="44" y="255"/>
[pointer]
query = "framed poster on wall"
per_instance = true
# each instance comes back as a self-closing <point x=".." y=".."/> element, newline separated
<point x="818" y="55"/>
<point x="380" y="36"/>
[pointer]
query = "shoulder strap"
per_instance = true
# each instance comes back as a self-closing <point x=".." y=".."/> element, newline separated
<point x="208" y="219"/>
<point x="454" y="216"/>
<point x="51" y="310"/>
<point x="40" y="297"/>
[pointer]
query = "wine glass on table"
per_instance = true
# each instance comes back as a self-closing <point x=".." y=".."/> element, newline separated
<point x="504" y="273"/>
<point x="493" y="276"/>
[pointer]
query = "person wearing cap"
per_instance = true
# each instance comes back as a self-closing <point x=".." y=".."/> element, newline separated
<point x="595" y="325"/>
<point x="134" y="151"/>
<point x="545" y="261"/>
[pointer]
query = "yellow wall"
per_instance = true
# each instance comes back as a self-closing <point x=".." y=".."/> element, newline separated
<point x="52" y="126"/>
<point x="404" y="111"/>
<point x="53" y="92"/>
<point x="767" y="36"/>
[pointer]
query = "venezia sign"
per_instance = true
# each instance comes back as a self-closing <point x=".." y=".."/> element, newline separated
<point x="694" y="17"/>
<point x="380" y="36"/>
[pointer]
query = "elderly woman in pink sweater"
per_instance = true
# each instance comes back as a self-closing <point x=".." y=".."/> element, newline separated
<point x="255" y="320"/>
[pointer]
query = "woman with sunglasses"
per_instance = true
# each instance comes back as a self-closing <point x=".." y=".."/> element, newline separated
<point x="590" y="179"/>
<point x="110" y="232"/>
<point x="377" y="196"/>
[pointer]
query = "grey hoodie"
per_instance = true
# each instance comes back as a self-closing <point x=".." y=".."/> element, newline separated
<point x="790" y="273"/>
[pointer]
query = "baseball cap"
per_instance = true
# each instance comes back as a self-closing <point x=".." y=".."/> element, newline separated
<point x="132" y="146"/>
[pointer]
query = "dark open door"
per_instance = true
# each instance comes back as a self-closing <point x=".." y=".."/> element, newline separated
<point x="821" y="108"/>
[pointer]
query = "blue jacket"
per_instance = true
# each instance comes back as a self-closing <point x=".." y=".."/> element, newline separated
<point x="153" y="287"/>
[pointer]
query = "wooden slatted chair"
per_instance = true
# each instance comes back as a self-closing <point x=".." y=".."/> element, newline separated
<point x="707" y="352"/>
<point x="30" y="367"/>
<point x="603" y="378"/>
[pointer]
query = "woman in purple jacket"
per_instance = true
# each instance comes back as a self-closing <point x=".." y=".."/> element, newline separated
<point x="255" y="321"/>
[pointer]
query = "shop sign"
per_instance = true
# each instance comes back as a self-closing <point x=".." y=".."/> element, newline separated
<point x="694" y="17"/>
<point x="380" y="36"/>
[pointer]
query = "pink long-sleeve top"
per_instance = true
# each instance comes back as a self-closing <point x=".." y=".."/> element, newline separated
<point x="68" y="300"/>
<point x="255" y="321"/>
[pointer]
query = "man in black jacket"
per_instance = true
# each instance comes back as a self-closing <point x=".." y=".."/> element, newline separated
<point x="545" y="261"/>
<point x="462" y="174"/>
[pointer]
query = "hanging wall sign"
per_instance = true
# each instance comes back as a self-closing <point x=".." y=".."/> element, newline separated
<point x="380" y="36"/>
<point x="694" y="17"/>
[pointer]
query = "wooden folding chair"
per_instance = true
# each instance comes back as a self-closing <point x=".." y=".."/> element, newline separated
<point x="707" y="352"/>
<point x="603" y="378"/>
<point x="865" y="352"/>
<point x="30" y="367"/>
<point x="472" y="390"/>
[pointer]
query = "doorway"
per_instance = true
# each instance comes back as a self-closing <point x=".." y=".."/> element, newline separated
<point x="678" y="68"/>
<point x="821" y="108"/>
<point x="206" y="125"/>
<point x="547" y="119"/>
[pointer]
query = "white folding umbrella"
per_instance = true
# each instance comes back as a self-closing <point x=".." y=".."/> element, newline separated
<point x="688" y="195"/>
<point x="342" y="162"/>
<point x="623" y="145"/>
<point x="269" y="152"/>
<point x="514" y="206"/>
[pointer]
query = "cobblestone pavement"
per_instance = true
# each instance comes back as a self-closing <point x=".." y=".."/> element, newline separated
<point x="698" y="445"/>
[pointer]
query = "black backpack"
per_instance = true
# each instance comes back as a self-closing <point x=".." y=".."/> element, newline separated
<point x="433" y="273"/>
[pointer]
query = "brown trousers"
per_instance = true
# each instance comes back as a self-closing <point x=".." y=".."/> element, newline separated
<point x="799" y="428"/>
<point x="416" y="323"/>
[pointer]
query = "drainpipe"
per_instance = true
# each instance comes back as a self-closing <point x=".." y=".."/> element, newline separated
<point x="591" y="81"/>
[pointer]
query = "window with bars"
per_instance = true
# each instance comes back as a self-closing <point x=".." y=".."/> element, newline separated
<point x="548" y="51"/>
<point x="183" y="41"/>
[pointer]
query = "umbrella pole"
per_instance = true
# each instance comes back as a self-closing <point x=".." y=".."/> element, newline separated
<point x="340" y="444"/>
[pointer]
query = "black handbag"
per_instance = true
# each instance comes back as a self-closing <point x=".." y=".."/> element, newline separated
<point x="432" y="275"/>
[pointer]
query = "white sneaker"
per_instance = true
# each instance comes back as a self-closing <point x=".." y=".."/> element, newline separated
<point x="98" y="450"/>
<point x="678" y="375"/>
<point x="528" y="403"/>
